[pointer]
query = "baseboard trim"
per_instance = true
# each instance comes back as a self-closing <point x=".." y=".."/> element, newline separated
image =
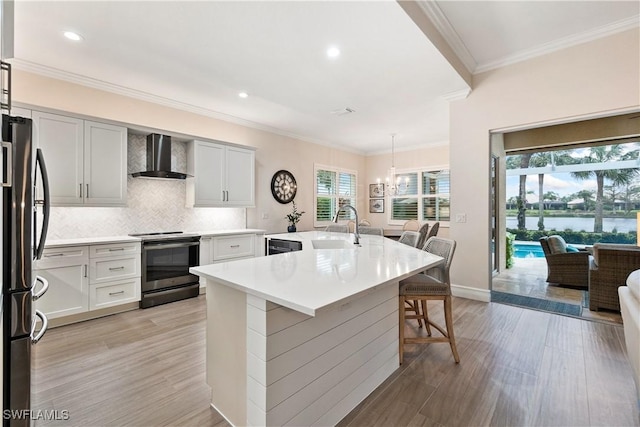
<point x="93" y="314"/>
<point x="476" y="294"/>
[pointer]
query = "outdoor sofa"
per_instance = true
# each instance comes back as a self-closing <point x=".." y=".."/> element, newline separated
<point x="610" y="266"/>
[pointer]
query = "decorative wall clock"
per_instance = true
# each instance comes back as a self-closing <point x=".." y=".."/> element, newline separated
<point x="283" y="186"/>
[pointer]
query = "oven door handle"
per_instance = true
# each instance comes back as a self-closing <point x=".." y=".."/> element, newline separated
<point x="154" y="246"/>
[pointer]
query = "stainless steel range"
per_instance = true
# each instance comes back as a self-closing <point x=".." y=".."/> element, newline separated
<point x="166" y="259"/>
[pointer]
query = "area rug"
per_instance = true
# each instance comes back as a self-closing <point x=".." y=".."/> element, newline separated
<point x="537" y="303"/>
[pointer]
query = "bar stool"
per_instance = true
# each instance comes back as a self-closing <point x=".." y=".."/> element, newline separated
<point x="433" y="284"/>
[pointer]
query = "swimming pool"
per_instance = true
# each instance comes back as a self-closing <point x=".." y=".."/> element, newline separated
<point x="527" y="250"/>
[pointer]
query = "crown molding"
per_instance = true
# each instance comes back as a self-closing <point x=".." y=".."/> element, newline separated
<point x="457" y="95"/>
<point x="444" y="27"/>
<point x="159" y="100"/>
<point x="563" y="43"/>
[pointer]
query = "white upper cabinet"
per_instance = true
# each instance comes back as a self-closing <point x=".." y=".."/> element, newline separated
<point x="105" y="164"/>
<point x="86" y="161"/>
<point x="221" y="175"/>
<point x="240" y="177"/>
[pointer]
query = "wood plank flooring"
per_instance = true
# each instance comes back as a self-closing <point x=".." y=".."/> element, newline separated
<point x="518" y="367"/>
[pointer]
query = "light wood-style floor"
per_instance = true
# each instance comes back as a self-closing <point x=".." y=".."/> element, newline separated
<point x="518" y="367"/>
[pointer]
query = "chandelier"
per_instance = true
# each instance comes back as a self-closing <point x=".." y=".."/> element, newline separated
<point x="396" y="185"/>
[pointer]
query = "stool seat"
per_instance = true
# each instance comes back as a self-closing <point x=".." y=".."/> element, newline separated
<point x="422" y="284"/>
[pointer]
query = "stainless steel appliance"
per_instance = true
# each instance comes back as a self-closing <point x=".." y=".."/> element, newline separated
<point x="281" y="246"/>
<point x="22" y="243"/>
<point x="159" y="159"/>
<point x="166" y="259"/>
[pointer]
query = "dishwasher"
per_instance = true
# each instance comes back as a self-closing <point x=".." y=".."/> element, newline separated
<point x="281" y="246"/>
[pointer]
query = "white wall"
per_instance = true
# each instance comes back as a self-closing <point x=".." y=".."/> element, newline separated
<point x="593" y="79"/>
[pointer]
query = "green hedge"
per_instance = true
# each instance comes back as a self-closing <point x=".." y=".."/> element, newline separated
<point x="510" y="249"/>
<point x="576" y="237"/>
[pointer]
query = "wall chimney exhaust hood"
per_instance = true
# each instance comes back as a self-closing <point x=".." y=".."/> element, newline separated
<point x="159" y="159"/>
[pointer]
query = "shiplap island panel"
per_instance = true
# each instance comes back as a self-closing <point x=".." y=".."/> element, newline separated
<point x="301" y="338"/>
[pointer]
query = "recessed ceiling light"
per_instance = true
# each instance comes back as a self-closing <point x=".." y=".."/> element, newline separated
<point x="333" y="52"/>
<point x="243" y="95"/>
<point x="72" y="36"/>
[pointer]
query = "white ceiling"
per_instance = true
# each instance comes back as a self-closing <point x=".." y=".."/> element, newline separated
<point x="199" y="55"/>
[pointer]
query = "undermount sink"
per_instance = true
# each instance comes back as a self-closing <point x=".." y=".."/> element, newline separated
<point x="332" y="244"/>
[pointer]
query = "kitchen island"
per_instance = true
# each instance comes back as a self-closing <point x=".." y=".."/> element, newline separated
<point x="301" y="338"/>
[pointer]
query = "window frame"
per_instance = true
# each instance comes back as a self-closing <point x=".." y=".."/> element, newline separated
<point x="419" y="196"/>
<point x="335" y="197"/>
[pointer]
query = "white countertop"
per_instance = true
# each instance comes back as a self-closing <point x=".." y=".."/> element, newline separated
<point x="315" y="279"/>
<point x="229" y="232"/>
<point x="79" y="241"/>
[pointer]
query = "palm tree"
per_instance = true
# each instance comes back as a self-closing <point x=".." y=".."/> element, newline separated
<point x="520" y="161"/>
<point x="543" y="159"/>
<point x="605" y="154"/>
<point x="587" y="198"/>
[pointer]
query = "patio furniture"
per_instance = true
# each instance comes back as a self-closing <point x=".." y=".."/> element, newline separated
<point x="610" y="267"/>
<point x="565" y="268"/>
<point x="434" y="284"/>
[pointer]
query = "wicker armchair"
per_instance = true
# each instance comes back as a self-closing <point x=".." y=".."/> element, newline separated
<point x="565" y="268"/>
<point x="611" y="265"/>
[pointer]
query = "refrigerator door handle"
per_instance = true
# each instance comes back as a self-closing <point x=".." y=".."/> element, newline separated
<point x="9" y="168"/>
<point x="45" y="324"/>
<point x="45" y="287"/>
<point x="46" y="207"/>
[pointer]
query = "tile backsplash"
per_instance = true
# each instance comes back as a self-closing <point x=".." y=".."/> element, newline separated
<point x="152" y="205"/>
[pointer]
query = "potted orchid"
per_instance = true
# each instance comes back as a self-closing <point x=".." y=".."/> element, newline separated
<point x="293" y="218"/>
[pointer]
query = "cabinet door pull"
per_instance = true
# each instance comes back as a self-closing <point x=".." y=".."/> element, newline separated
<point x="52" y="255"/>
<point x="116" y="293"/>
<point x="9" y="159"/>
<point x="115" y="249"/>
<point x="87" y="191"/>
<point x="116" y="268"/>
<point x="86" y="270"/>
<point x="234" y="246"/>
<point x="80" y="191"/>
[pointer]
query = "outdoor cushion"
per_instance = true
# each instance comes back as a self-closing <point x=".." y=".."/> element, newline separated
<point x="572" y="249"/>
<point x="557" y="245"/>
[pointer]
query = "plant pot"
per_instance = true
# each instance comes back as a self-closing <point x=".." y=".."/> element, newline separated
<point x="291" y="229"/>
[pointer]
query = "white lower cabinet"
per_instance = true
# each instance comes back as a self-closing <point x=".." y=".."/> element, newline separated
<point x="114" y="293"/>
<point x="85" y="278"/>
<point x="66" y="269"/>
<point x="238" y="246"/>
<point x="215" y="249"/>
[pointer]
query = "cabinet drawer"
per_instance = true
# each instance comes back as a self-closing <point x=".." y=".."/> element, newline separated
<point x="231" y="247"/>
<point x="114" y="293"/>
<point x="113" y="268"/>
<point x="58" y="257"/>
<point x="114" y="249"/>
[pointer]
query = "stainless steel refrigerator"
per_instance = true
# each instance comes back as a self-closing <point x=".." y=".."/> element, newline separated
<point x="24" y="231"/>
